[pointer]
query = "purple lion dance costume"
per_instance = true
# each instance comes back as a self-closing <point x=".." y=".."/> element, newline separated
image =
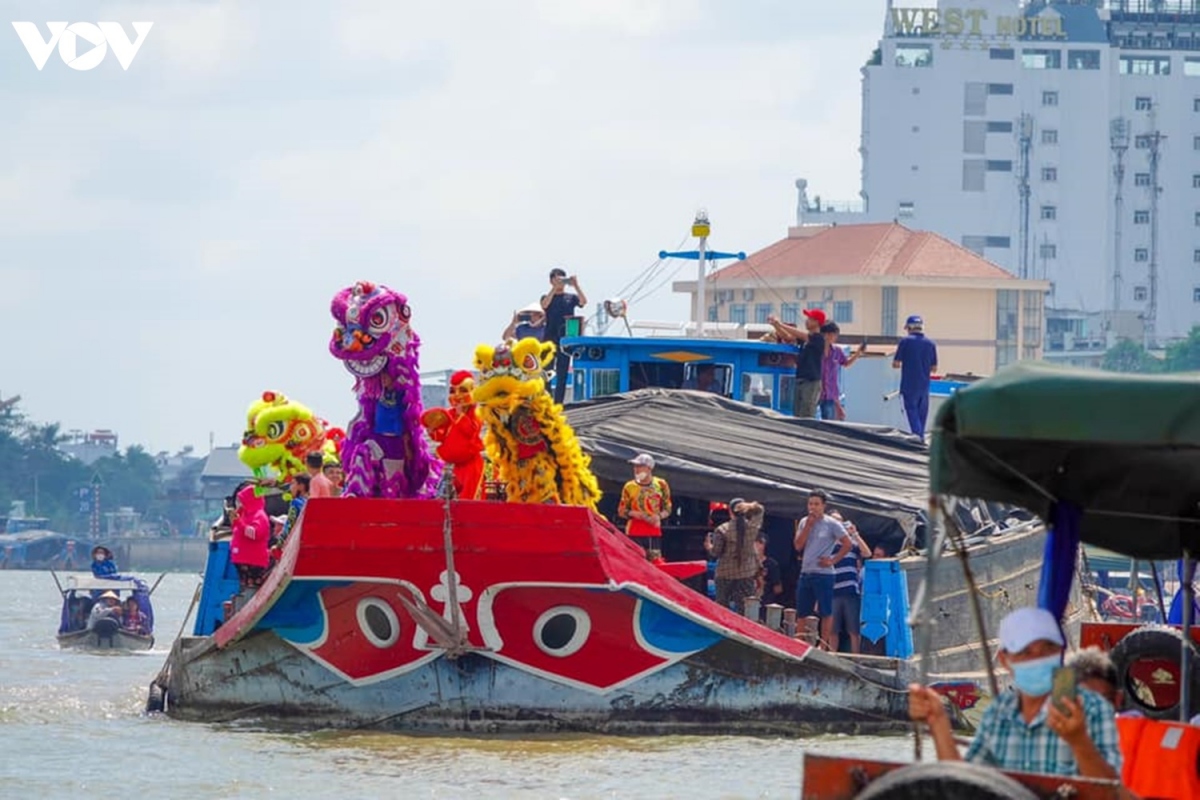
<point x="385" y="453"/>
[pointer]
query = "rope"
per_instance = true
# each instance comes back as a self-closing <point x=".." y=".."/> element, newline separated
<point x="161" y="677"/>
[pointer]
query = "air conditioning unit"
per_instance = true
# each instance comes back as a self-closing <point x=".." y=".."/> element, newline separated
<point x="827" y="295"/>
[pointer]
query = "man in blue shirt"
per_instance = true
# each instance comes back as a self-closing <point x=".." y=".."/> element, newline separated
<point x="916" y="358"/>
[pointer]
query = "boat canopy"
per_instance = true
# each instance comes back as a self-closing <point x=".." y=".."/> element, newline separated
<point x="1123" y="449"/>
<point x="707" y="446"/>
<point x="92" y="583"/>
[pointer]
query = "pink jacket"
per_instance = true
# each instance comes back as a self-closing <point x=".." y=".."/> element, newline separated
<point x="251" y="530"/>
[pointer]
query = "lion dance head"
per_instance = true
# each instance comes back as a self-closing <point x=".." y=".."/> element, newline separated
<point x="280" y="433"/>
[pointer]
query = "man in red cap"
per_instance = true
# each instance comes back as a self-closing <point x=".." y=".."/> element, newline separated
<point x="808" y="363"/>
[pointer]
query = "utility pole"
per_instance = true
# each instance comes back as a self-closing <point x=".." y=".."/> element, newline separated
<point x="95" y="527"/>
<point x="1118" y="138"/>
<point x="1025" y="145"/>
<point x="1154" y="140"/>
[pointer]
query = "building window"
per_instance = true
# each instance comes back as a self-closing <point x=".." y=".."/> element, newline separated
<point x="1049" y="136"/>
<point x="1141" y="179"/>
<point x="1006" y="326"/>
<point x="712" y="314"/>
<point x="747" y="294"/>
<point x="1196" y="142"/>
<point x="1031" y="322"/>
<point x="999" y="166"/>
<point x="762" y="311"/>
<point x="888" y="322"/>
<point x="1196" y="295"/>
<point x="1047" y="251"/>
<point x="1141" y="142"/>
<point x="1139" y="294"/>
<point x="1191" y="66"/>
<point x="1049" y="98"/>
<point x="1196" y="219"/>
<point x="999" y="127"/>
<point x="974" y="99"/>
<point x="790" y="313"/>
<point x="1196" y="256"/>
<point x="1195" y="181"/>
<point x="974" y="170"/>
<point x="997" y="242"/>
<point x="1141" y="254"/>
<point x="999" y="88"/>
<point x="1141" y="217"/>
<point x="1141" y="104"/>
<point x="843" y="311"/>
<point x="1049" y="174"/>
<point x="1196" y="104"/>
<point x="914" y="55"/>
<point x="907" y="208"/>
<point x="1035" y="58"/>
<point x="737" y="313"/>
<point x="976" y="244"/>
<point x="1049" y="213"/>
<point x="1002" y="54"/>
<point x="1083" y="59"/>
<point x="1145" y="65"/>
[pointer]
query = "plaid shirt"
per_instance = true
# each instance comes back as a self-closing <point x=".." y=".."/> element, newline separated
<point x="1005" y="741"/>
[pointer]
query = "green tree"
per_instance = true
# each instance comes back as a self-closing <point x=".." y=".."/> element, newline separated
<point x="1184" y="356"/>
<point x="1130" y="356"/>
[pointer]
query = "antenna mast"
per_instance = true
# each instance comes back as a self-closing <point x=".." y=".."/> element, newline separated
<point x="1154" y="140"/>
<point x="1118" y="138"/>
<point x="1025" y="139"/>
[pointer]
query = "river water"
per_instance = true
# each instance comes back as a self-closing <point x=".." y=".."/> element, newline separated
<point x="71" y="723"/>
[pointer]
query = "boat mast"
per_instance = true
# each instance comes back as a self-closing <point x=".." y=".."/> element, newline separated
<point x="700" y="229"/>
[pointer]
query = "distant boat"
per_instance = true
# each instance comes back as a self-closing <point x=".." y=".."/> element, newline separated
<point x="81" y="592"/>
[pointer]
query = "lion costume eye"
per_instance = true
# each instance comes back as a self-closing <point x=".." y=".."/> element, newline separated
<point x="380" y="320"/>
<point x="275" y="430"/>
<point x="405" y="312"/>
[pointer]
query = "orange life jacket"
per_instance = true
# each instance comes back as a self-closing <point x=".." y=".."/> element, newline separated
<point x="1160" y="758"/>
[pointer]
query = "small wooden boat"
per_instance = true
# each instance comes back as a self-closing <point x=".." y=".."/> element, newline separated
<point x="1107" y="477"/>
<point x="79" y="628"/>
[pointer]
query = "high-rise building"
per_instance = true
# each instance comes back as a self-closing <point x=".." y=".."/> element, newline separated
<point x="1061" y="140"/>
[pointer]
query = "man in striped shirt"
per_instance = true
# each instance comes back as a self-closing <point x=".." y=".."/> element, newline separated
<point x="1023" y="730"/>
<point x="847" y="589"/>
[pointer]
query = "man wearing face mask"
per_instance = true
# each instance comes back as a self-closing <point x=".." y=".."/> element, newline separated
<point x="1023" y="730"/>
<point x="645" y="503"/>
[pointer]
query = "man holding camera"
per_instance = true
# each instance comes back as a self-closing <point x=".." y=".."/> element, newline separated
<point x="558" y="305"/>
<point x="732" y="544"/>
<point x="529" y="322"/>
<point x="1025" y="729"/>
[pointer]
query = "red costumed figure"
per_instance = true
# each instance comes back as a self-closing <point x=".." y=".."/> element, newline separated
<point x="457" y="430"/>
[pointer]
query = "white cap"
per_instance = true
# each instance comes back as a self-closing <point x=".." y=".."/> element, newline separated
<point x="1024" y="626"/>
<point x="643" y="460"/>
<point x="533" y="308"/>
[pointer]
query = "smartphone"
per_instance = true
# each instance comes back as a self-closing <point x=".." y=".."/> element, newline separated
<point x="1066" y="684"/>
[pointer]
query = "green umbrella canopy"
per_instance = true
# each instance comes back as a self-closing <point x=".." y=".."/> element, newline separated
<point x="1123" y="448"/>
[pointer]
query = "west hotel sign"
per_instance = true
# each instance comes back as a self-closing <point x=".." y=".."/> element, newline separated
<point x="965" y="22"/>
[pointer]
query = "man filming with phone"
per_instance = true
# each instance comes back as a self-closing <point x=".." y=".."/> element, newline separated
<point x="1046" y="723"/>
<point x="559" y="304"/>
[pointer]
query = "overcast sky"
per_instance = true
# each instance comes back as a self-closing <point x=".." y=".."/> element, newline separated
<point x="170" y="235"/>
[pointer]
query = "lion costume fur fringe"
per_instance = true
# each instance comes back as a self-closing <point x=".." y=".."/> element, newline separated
<point x="528" y="439"/>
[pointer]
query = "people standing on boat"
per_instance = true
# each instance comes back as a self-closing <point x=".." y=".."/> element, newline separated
<point x="132" y="619"/>
<point x="248" y="547"/>
<point x="645" y="503"/>
<point x="103" y="565"/>
<point x="811" y="345"/>
<point x="835" y="358"/>
<point x="331" y="468"/>
<point x="559" y="304"/>
<point x="299" y="491"/>
<point x="823" y="542"/>
<point x="847" y="588"/>
<point x="107" y="605"/>
<point x="529" y="322"/>
<point x="916" y="358"/>
<point x="319" y="485"/>
<point x="770" y="577"/>
<point x="1023" y="730"/>
<point x="732" y="544"/>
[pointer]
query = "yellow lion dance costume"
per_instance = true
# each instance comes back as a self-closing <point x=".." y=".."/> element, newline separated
<point x="534" y="450"/>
